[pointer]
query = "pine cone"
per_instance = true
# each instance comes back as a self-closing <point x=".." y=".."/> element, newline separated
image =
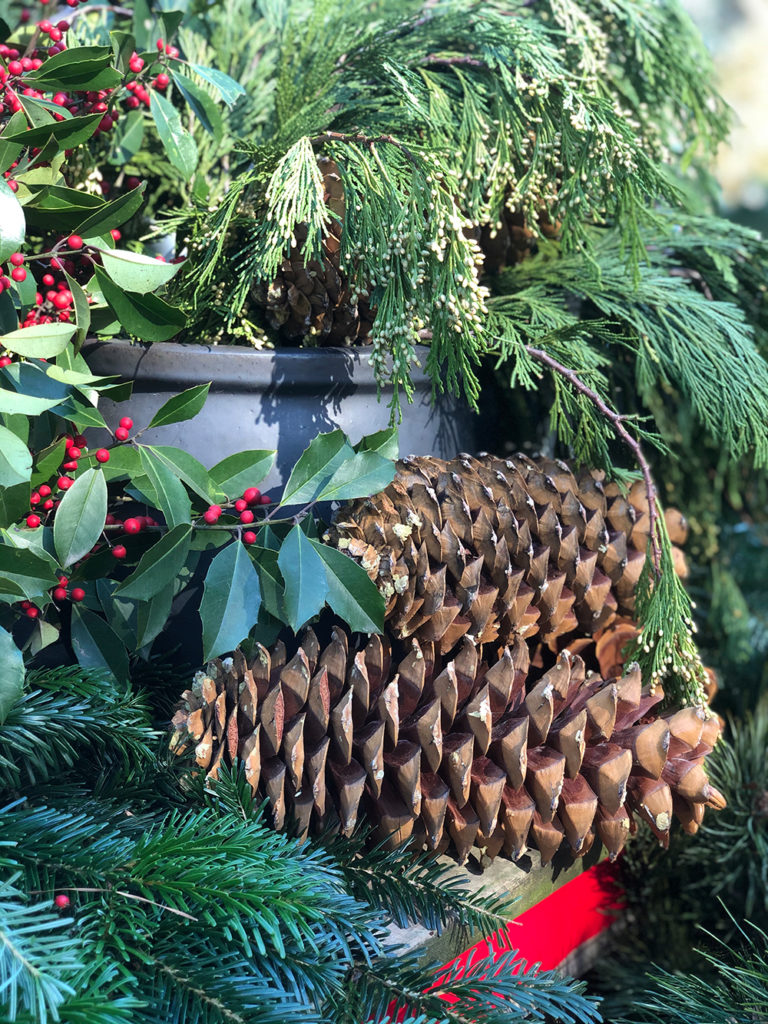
<point x="490" y="548"/>
<point x="312" y="300"/>
<point x="474" y="747"/>
<point x="511" y="240"/>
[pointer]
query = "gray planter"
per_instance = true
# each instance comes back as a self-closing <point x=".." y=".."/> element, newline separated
<point x="273" y="399"/>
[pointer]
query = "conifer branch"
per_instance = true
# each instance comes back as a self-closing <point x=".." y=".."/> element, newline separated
<point x="617" y="420"/>
<point x="366" y="140"/>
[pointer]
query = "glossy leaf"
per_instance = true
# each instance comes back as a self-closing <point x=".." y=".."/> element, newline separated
<point x="314" y="466"/>
<point x="135" y="272"/>
<point x="146" y="316"/>
<point x="183" y="406"/>
<point x="200" y="102"/>
<point x="193" y="473"/>
<point x="305" y="578"/>
<point x="229" y="90"/>
<point x="152" y="615"/>
<point x="243" y="469"/>
<point x="112" y="215"/>
<point x="270" y="577"/>
<point x="11" y="674"/>
<point x="47" y="462"/>
<point x="43" y="635"/>
<point x="12" y="223"/>
<point x="67" y="134"/>
<point x="41" y="341"/>
<point x="27" y="571"/>
<point x="362" y="474"/>
<point x="15" y="459"/>
<point x="385" y="442"/>
<point x="159" y="565"/>
<point x="80" y="517"/>
<point x="126" y="138"/>
<point x="14" y="503"/>
<point x="231" y="600"/>
<point x="82" y="314"/>
<point x="9" y="151"/>
<point x="352" y="594"/>
<point x="180" y="147"/>
<point x="81" y="67"/>
<point x="172" y="498"/>
<point x="97" y="645"/>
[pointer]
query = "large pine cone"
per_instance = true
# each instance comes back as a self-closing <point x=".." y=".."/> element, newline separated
<point x="445" y="728"/>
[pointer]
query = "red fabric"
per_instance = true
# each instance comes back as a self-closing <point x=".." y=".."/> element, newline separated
<point x="553" y="928"/>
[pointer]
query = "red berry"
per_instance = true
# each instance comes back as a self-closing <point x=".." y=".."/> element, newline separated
<point x="45" y="27"/>
<point x="241" y="504"/>
<point x="118" y="551"/>
<point x="265" y="499"/>
<point x="59" y="300"/>
<point x="162" y="81"/>
<point x="212" y="514"/>
<point x="133" y="525"/>
<point x="73" y="451"/>
<point x="19" y="274"/>
<point x="62" y="901"/>
<point x="116" y="234"/>
<point x="78" y="594"/>
<point x="48" y="504"/>
<point x="63" y="581"/>
<point x="26" y="604"/>
<point x="247" y="516"/>
<point x="64" y="483"/>
<point x="70" y="466"/>
<point x="249" y="537"/>
<point x="252" y="495"/>
<point x="16" y="259"/>
<point x="55" y="35"/>
<point x="5" y="361"/>
<point x="75" y="242"/>
<point x="122" y="434"/>
<point x="32" y="613"/>
<point x="160" y="44"/>
<point x="136" y="63"/>
<point x="15" y="66"/>
<point x="48" y="280"/>
<point x="44" y="490"/>
<point x="60" y="594"/>
<point x="126" y="422"/>
<point x="102" y="455"/>
<point x="33" y="521"/>
<point x="81" y="441"/>
<point x="34" y="498"/>
<point x="61" y="99"/>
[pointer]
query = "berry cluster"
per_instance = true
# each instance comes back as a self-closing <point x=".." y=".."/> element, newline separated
<point x="252" y="496"/>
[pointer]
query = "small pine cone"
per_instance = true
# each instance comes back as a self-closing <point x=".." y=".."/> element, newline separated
<point x="312" y="300"/>
<point x="490" y="548"/>
<point x="474" y="746"/>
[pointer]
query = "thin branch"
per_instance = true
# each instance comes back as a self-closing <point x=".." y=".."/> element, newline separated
<point x="631" y="442"/>
<point x="367" y="140"/>
<point x="118" y="892"/>
<point x="435" y="59"/>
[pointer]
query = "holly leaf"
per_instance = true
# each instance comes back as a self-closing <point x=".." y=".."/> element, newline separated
<point x="314" y="466"/>
<point x="112" y="215"/>
<point x="305" y="578"/>
<point x="180" y="147"/>
<point x="385" y="442"/>
<point x="187" y="468"/>
<point x="152" y="615"/>
<point x="231" y="600"/>
<point x="12" y="223"/>
<point x="351" y="592"/>
<point x="80" y="517"/>
<point x="97" y="645"/>
<point x="11" y="674"/>
<point x="159" y="565"/>
<point x="364" y="473"/>
<point x="181" y="407"/>
<point x="15" y="459"/>
<point x="243" y="469"/>
<point x="200" y="102"/>
<point x="229" y="89"/>
<point x="68" y="134"/>
<point x="26" y="572"/>
<point x="135" y="272"/>
<point x="146" y="316"/>
<point x="171" y="495"/>
<point x="41" y="341"/>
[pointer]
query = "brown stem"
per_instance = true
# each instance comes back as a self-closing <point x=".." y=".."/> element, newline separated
<point x="617" y="421"/>
<point x="366" y="140"/>
<point x="435" y="59"/>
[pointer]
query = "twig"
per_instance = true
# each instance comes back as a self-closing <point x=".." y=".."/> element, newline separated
<point x="618" y="423"/>
<point x="118" y="892"/>
<point x="434" y="58"/>
<point x="367" y="140"/>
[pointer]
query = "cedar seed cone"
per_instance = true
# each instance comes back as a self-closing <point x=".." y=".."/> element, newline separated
<point x="441" y="735"/>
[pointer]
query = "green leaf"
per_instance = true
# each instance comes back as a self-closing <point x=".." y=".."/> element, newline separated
<point x="10" y="151"/>
<point x="82" y="414"/>
<point x="9" y="316"/>
<point x="146" y="316"/>
<point x="365" y="473"/>
<point x="43" y="635"/>
<point x="183" y="406"/>
<point x="272" y="583"/>
<point x="180" y="146"/>
<point x="24" y="569"/>
<point x="305" y="578"/>
<point x="41" y="341"/>
<point x="112" y="215"/>
<point x="80" y="517"/>
<point x="351" y="593"/>
<point x="171" y="21"/>
<point x="68" y="134"/>
<point x="135" y="272"/>
<point x="200" y="102"/>
<point x="229" y="90"/>
<point x="314" y="466"/>
<point x="82" y="67"/>
<point x="82" y="315"/>
<point x="126" y="138"/>
<point x="48" y="461"/>
<point x="14" y="503"/>
<point x="193" y="473"/>
<point x="123" y="47"/>
<point x="15" y="459"/>
<point x="97" y="645"/>
<point x="159" y="565"/>
<point x="12" y="224"/>
<point x="172" y="498"/>
<point x="11" y="674"/>
<point x="231" y="600"/>
<point x="385" y="442"/>
<point x="241" y="470"/>
<point x="152" y="615"/>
